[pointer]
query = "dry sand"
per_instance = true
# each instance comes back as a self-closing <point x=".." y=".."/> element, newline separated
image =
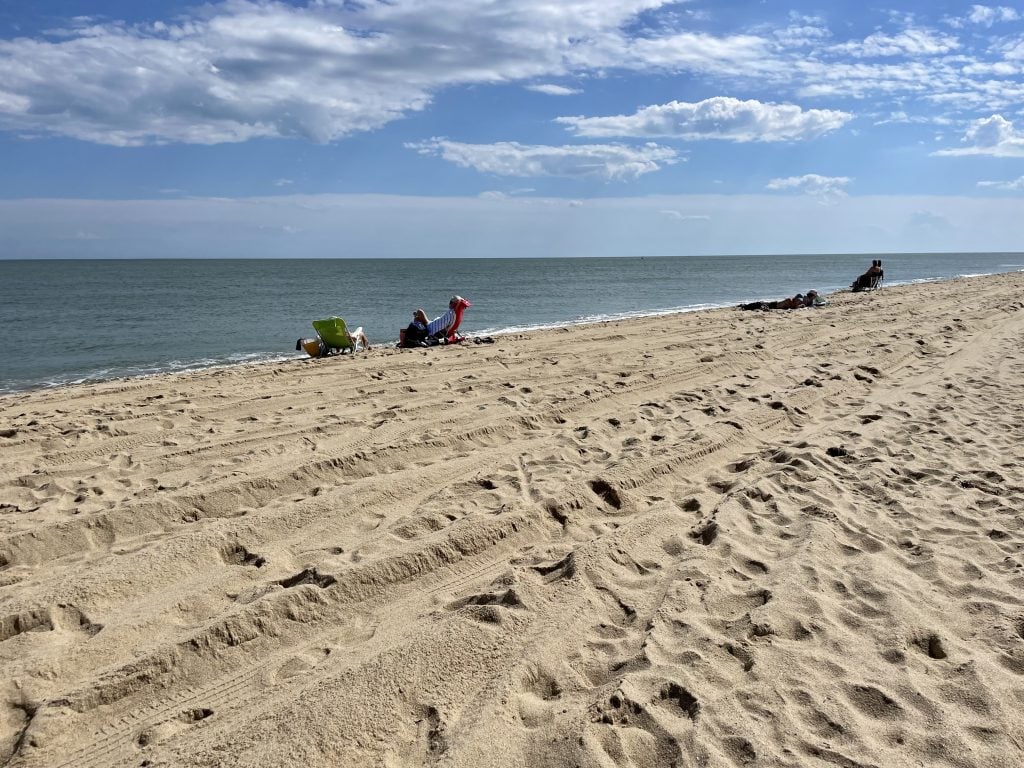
<point x="717" y="539"/>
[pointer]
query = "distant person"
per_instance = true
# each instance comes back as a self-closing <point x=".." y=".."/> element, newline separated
<point x="870" y="279"/>
<point x="796" y="302"/>
<point x="812" y="299"/>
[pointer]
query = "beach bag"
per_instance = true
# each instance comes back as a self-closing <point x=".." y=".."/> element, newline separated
<point x="414" y="335"/>
<point x="312" y="347"/>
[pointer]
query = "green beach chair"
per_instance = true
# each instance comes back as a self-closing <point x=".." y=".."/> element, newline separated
<point x="334" y="334"/>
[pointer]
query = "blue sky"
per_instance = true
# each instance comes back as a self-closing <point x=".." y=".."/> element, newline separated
<point x="508" y="128"/>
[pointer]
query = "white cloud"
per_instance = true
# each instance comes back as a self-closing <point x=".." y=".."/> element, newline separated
<point x="721" y="117"/>
<point x="802" y="31"/>
<point x="508" y="158"/>
<point x="991" y="68"/>
<point x="283" y="182"/>
<point x="1013" y="50"/>
<point x="496" y="194"/>
<point x="1016" y="185"/>
<point x="679" y="216"/>
<point x="551" y="89"/>
<point x="901" y="117"/>
<point x="826" y="189"/>
<point x="993" y="135"/>
<point x="988" y="15"/>
<point x="909" y="42"/>
<point x="734" y="55"/>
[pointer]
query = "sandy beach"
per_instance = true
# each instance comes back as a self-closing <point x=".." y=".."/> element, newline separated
<point x="722" y="538"/>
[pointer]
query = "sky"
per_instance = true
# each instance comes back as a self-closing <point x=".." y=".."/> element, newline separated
<point x="468" y="128"/>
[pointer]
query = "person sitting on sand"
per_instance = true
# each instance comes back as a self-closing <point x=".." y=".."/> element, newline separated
<point x="360" y="338"/>
<point x="869" y="279"/>
<point x="443" y="326"/>
<point x="415" y="334"/>
<point x="812" y="299"/>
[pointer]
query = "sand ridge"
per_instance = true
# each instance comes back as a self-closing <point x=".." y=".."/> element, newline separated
<point x="713" y="539"/>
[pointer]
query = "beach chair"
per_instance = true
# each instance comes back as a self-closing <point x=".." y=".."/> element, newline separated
<point x="867" y="283"/>
<point x="334" y="334"/>
<point x="458" y="306"/>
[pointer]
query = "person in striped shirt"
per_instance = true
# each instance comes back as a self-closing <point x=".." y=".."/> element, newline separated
<point x="445" y="325"/>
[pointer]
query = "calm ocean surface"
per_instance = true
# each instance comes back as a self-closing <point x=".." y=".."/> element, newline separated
<point x="74" y="321"/>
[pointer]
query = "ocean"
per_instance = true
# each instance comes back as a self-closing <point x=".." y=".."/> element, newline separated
<point x="63" y="322"/>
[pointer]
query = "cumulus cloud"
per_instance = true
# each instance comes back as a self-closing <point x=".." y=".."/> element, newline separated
<point x="553" y="90"/>
<point x="1014" y="186"/>
<point x="610" y="162"/>
<point x="989" y="15"/>
<point x="993" y="135"/>
<point x="909" y="42"/>
<point x="827" y="189"/>
<point x="721" y="117"/>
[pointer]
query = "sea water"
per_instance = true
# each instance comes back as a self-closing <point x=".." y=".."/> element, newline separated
<point x="88" y="320"/>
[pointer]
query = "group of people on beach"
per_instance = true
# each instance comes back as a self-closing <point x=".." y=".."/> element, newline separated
<point x="419" y="333"/>
<point x="870" y="280"/>
<point x="422" y="332"/>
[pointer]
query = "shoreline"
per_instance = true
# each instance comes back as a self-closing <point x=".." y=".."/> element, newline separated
<point x="285" y="357"/>
<point x="717" y="537"/>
